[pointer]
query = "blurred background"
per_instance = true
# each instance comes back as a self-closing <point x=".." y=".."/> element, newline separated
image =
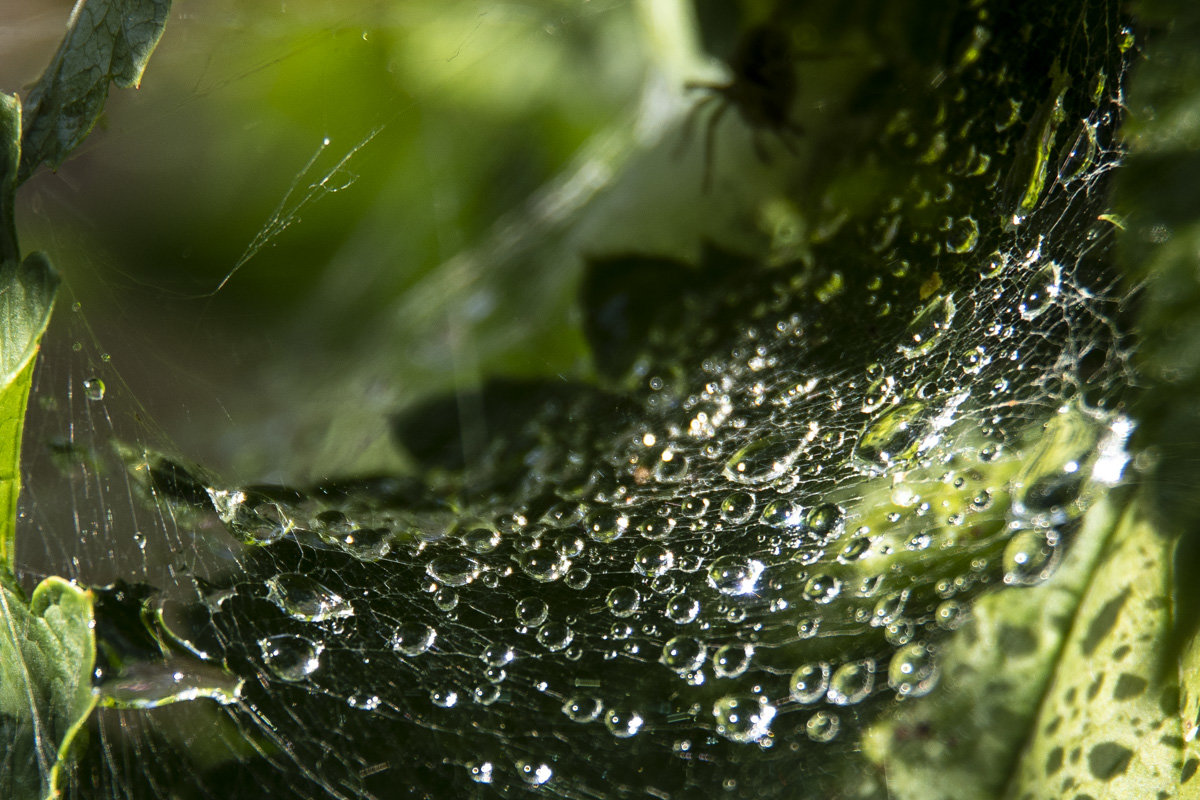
<point x="311" y="213"/>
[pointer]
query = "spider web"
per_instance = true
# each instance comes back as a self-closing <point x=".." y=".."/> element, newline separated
<point x="709" y="569"/>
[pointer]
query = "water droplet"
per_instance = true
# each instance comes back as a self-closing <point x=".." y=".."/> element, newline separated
<point x="1029" y="558"/>
<point x="367" y="544"/>
<point x="481" y="540"/>
<point x="453" y="569"/>
<point x="497" y="655"/>
<point x="93" y="389"/>
<point x="480" y="772"/>
<point x="605" y="525"/>
<point x="764" y="460"/>
<point x="963" y="236"/>
<point x="543" y="564"/>
<point x="412" y="638"/>
<point x="1043" y="287"/>
<point x="912" y="671"/>
<point x="569" y="546"/>
<point x="623" y="601"/>
<point x="623" y="722"/>
<point x="743" y="718"/>
<point x="684" y="654"/>
<point x="444" y="698"/>
<point x="783" y="513"/>
<point x="928" y="325"/>
<point x="656" y="528"/>
<point x="732" y="660"/>
<point x="486" y="693"/>
<point x="535" y="774"/>
<point x="694" y="506"/>
<point x="894" y="436"/>
<point x="654" y="559"/>
<point x="737" y="507"/>
<point x="578" y="578"/>
<point x="810" y="682"/>
<point x="305" y="599"/>
<point x="822" y="726"/>
<point x="291" y="658"/>
<point x="807" y="627"/>
<point x="554" y="636"/>
<point x="950" y="615"/>
<point x="582" y="708"/>
<point x="682" y="609"/>
<point x="672" y="466"/>
<point x="824" y="518"/>
<point x="852" y="682"/>
<point x="532" y="611"/>
<point x="889" y="607"/>
<point x="734" y="575"/>
<point x="822" y="588"/>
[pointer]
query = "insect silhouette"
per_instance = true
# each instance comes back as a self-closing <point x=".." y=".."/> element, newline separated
<point x="762" y="89"/>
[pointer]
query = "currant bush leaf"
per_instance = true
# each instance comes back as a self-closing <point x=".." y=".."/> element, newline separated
<point x="107" y="41"/>
<point x="47" y="653"/>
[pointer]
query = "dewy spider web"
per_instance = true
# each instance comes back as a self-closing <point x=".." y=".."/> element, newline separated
<point x="712" y="571"/>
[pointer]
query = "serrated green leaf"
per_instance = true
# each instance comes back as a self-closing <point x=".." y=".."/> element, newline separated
<point x="47" y="654"/>
<point x="107" y="41"/>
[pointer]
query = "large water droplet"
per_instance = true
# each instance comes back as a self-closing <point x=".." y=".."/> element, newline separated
<point x="481" y="540"/>
<point x="822" y="726"/>
<point x="810" y="682"/>
<point x="684" y="654"/>
<point x="543" y="564"/>
<point x="1029" y="558"/>
<point x="534" y="773"/>
<point x="894" y="436"/>
<point x="765" y="459"/>
<point x="822" y="588"/>
<point x="852" y="682"/>
<point x="912" y="671"/>
<point x="412" y="638"/>
<point x="305" y="599"/>
<point x="653" y="559"/>
<point x="1043" y="287"/>
<point x="732" y="660"/>
<point x="93" y="389"/>
<point x="928" y="325"/>
<point x="623" y="722"/>
<point x="606" y="525"/>
<point x="623" y="601"/>
<point x="734" y="575"/>
<point x="453" y="569"/>
<point x="682" y="609"/>
<point x="743" y="718"/>
<point x="532" y="611"/>
<point x="582" y="708"/>
<point x="291" y="658"/>
<point x="554" y="636"/>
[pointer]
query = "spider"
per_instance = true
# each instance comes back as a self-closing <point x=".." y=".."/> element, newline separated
<point x="763" y="89"/>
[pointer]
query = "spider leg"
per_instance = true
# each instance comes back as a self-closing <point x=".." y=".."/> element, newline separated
<point x="710" y="132"/>
<point x="689" y="125"/>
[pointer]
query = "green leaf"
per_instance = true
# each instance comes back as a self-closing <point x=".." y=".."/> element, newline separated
<point x="10" y="158"/>
<point x="107" y="41"/>
<point x="26" y="297"/>
<point x="47" y="655"/>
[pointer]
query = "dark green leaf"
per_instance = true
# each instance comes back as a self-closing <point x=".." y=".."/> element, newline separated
<point x="107" y="41"/>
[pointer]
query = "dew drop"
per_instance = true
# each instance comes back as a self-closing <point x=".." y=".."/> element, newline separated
<point x="764" y="460"/>
<point x="453" y="569"/>
<point x="305" y="599"/>
<point x="682" y="609"/>
<point x="822" y="726"/>
<point x="912" y="671"/>
<point x="623" y="601"/>
<point x="1041" y="291"/>
<point x="737" y="507"/>
<point x="480" y="772"/>
<point x="653" y="560"/>
<point x="743" y="718"/>
<point x="928" y="325"/>
<point x="543" y="564"/>
<point x="623" y="722"/>
<point x="481" y="540"/>
<point x="822" y="588"/>
<point x="412" y="638"/>
<point x="1029" y="558"/>
<point x="93" y="389"/>
<point x="732" y="660"/>
<point x="532" y="611"/>
<point x="734" y="575"/>
<point x="852" y="682"/>
<point x="554" y="636"/>
<point x="444" y="698"/>
<point x="533" y="773"/>
<point x="810" y="682"/>
<point x="684" y="654"/>
<point x="605" y="525"/>
<point x="291" y="658"/>
<point x="582" y="708"/>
